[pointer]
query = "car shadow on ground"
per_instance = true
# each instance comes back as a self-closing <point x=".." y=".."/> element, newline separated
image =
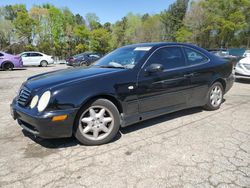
<point x="160" y="119"/>
<point x="19" y="69"/>
<point x="70" y="142"/>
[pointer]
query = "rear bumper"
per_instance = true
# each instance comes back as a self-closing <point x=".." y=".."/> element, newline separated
<point x="229" y="82"/>
<point x="238" y="75"/>
<point x="42" y="125"/>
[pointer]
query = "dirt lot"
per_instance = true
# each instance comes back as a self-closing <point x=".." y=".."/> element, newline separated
<point x="191" y="148"/>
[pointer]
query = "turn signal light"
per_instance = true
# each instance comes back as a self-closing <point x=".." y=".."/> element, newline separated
<point x="59" y="118"/>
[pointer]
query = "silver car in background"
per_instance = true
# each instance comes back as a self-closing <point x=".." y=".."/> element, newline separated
<point x="36" y="59"/>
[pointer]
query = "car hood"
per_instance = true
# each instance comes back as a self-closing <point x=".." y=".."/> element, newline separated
<point x="51" y="79"/>
<point x="245" y="60"/>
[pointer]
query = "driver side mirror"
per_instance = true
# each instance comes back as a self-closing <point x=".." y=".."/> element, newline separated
<point x="154" y="68"/>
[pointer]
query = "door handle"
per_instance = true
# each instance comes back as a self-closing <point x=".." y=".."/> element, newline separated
<point x="188" y="75"/>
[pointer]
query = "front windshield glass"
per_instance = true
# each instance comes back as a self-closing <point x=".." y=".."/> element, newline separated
<point x="123" y="57"/>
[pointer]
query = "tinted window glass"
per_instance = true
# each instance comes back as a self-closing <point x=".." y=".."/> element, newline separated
<point x="169" y="57"/>
<point x="1" y="54"/>
<point x="35" y="54"/>
<point x="25" y="55"/>
<point x="194" y="57"/>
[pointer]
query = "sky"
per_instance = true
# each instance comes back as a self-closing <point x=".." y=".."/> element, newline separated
<point x="106" y="10"/>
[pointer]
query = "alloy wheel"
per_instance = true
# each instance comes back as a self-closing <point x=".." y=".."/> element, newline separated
<point x="216" y="96"/>
<point x="96" y="123"/>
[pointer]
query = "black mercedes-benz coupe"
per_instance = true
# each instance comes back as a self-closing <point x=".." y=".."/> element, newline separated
<point x="129" y="85"/>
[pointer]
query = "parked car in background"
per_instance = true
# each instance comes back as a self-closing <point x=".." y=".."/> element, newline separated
<point x="36" y="59"/>
<point x="8" y="61"/>
<point x="242" y="68"/>
<point x="247" y="53"/>
<point x="129" y="85"/>
<point x="224" y="53"/>
<point x="83" y="59"/>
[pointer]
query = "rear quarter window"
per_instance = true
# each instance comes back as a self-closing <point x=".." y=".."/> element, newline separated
<point x="194" y="57"/>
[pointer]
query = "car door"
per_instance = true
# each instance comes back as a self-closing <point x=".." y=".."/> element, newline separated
<point x="165" y="90"/>
<point x="35" y="58"/>
<point x="27" y="60"/>
<point x="200" y="76"/>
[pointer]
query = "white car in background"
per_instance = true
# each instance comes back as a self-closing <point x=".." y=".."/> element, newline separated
<point x="36" y="58"/>
<point x="242" y="69"/>
<point x="247" y="53"/>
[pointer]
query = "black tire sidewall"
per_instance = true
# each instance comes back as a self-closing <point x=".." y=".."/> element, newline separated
<point x="209" y="106"/>
<point x="112" y="108"/>
<point x="7" y="63"/>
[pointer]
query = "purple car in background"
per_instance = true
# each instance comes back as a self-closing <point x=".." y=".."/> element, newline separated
<point x="8" y="61"/>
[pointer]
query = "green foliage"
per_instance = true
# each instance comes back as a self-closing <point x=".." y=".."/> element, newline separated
<point x="24" y="25"/>
<point x="173" y="18"/>
<point x="57" y="31"/>
<point x="100" y="40"/>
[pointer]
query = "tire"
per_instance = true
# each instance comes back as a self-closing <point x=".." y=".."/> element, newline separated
<point x="7" y="66"/>
<point x="97" y="123"/>
<point x="215" y="97"/>
<point x="83" y="64"/>
<point x="44" y="63"/>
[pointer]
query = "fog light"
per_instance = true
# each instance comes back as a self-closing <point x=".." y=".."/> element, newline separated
<point x="59" y="118"/>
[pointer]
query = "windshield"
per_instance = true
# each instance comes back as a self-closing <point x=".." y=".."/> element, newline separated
<point x="78" y="55"/>
<point x="123" y="57"/>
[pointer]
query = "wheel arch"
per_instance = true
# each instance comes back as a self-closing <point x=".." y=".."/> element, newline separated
<point x="7" y="61"/>
<point x="111" y="98"/>
<point x="220" y="80"/>
<point x="44" y="60"/>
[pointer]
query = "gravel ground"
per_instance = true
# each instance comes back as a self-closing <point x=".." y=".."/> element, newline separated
<point x="190" y="148"/>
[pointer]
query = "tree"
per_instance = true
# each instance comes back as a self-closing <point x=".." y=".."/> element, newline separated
<point x="24" y="25"/>
<point x="173" y="18"/>
<point x="118" y="33"/>
<point x="93" y="21"/>
<point x="100" y="41"/>
<point x="79" y="20"/>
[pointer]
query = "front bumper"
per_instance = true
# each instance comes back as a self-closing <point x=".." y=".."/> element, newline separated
<point x="41" y="125"/>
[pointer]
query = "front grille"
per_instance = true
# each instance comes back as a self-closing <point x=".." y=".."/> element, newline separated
<point x="24" y="96"/>
<point x="247" y="66"/>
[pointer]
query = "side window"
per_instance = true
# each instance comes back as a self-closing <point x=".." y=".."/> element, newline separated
<point x="1" y="55"/>
<point x="194" y="57"/>
<point x="25" y="55"/>
<point x="35" y="55"/>
<point x="169" y="57"/>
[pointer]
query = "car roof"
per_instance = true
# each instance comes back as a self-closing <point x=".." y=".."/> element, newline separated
<point x="32" y="52"/>
<point x="159" y="44"/>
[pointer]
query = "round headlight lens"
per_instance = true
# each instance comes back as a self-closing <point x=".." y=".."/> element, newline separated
<point x="34" y="101"/>
<point x="44" y="101"/>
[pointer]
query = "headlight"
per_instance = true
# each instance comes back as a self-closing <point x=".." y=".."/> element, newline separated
<point x="44" y="101"/>
<point x="34" y="101"/>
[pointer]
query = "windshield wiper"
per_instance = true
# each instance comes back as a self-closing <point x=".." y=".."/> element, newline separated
<point x="110" y="66"/>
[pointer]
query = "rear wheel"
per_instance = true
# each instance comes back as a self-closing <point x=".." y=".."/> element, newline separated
<point x="44" y="63"/>
<point x="215" y="96"/>
<point x="97" y="123"/>
<point x="8" y="66"/>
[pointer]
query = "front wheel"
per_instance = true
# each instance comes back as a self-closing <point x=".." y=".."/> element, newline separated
<point x="215" y="96"/>
<point x="97" y="123"/>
